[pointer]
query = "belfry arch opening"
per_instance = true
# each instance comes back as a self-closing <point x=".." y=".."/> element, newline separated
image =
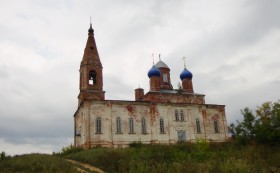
<point x="92" y="77"/>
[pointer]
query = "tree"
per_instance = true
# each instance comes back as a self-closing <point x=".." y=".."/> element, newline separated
<point x="268" y="124"/>
<point x="245" y="130"/>
<point x="264" y="127"/>
<point x="232" y="131"/>
<point x="2" y="155"/>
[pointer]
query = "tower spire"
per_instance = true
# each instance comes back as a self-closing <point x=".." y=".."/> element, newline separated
<point x="91" y="78"/>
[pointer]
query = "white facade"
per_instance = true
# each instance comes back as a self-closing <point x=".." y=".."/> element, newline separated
<point x="192" y="123"/>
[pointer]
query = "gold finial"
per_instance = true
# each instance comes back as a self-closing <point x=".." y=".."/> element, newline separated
<point x="184" y="59"/>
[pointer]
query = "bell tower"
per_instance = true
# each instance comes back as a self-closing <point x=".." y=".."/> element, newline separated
<point x="91" y="78"/>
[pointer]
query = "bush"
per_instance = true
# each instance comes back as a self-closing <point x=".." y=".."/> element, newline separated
<point x="136" y="144"/>
<point x="68" y="150"/>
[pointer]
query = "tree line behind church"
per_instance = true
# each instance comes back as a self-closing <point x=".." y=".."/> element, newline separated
<point x="259" y="126"/>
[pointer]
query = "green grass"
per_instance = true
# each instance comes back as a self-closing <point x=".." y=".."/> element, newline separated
<point x="202" y="157"/>
<point x="179" y="158"/>
<point x="35" y="163"/>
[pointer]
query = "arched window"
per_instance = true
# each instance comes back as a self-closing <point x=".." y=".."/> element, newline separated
<point x="92" y="77"/>
<point x="182" y="116"/>
<point x="198" y="126"/>
<point x="216" y="126"/>
<point x="119" y="127"/>
<point x="165" y="78"/>
<point x="143" y="124"/>
<point x="78" y="131"/>
<point x="98" y="125"/>
<point x="161" y="125"/>
<point x="131" y="125"/>
<point x="176" y="115"/>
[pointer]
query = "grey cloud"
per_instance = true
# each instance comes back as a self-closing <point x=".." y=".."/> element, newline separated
<point x="117" y="89"/>
<point x="3" y="73"/>
<point x="16" y="130"/>
<point x="255" y="21"/>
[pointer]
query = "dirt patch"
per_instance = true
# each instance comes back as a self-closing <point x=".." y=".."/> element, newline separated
<point x="83" y="167"/>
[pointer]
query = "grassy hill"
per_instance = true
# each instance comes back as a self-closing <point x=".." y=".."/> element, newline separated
<point x="201" y="157"/>
<point x="35" y="163"/>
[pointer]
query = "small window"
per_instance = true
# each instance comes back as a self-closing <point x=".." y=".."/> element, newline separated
<point x="92" y="77"/>
<point x="182" y="116"/>
<point x="161" y="125"/>
<point x="131" y="125"/>
<point x="216" y="126"/>
<point x="119" y="127"/>
<point x="165" y="78"/>
<point x="144" y="128"/>
<point x="176" y="115"/>
<point x="78" y="131"/>
<point x="198" y="130"/>
<point x="98" y="125"/>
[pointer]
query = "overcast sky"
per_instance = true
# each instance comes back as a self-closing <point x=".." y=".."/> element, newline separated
<point x="231" y="47"/>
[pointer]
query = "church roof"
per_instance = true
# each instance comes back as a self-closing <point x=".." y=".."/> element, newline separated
<point x="91" y="52"/>
<point x="186" y="74"/>
<point x="154" y="72"/>
<point x="161" y="64"/>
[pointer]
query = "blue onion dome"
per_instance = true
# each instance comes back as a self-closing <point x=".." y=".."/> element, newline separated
<point x="154" y="72"/>
<point x="186" y="74"/>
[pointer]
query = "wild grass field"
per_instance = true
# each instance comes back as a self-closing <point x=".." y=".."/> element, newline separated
<point x="179" y="158"/>
<point x="183" y="158"/>
<point x="35" y="163"/>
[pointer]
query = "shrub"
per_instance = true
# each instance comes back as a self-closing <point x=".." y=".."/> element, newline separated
<point x="135" y="144"/>
<point x="68" y="150"/>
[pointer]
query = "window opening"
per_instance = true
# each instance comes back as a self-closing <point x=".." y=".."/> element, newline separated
<point x="198" y="126"/>
<point x="144" y="129"/>
<point x="78" y="131"/>
<point x="98" y="125"/>
<point x="165" y="79"/>
<point x="176" y="115"/>
<point x="92" y="77"/>
<point x="131" y="125"/>
<point x="161" y="125"/>
<point x="119" y="130"/>
<point x="216" y="127"/>
<point x="182" y="116"/>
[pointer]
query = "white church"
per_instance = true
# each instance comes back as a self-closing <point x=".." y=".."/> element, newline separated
<point x="162" y="115"/>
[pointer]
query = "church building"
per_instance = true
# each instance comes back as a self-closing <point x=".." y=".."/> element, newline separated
<point x="162" y="115"/>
